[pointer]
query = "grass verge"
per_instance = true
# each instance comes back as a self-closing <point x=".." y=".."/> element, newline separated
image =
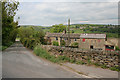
<point x="60" y="59"/>
<point x="44" y="54"/>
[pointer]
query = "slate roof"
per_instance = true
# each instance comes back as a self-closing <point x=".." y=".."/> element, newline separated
<point x="72" y="35"/>
<point x="98" y="36"/>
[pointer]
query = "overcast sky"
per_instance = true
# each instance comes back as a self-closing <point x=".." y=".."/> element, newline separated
<point x="47" y="13"/>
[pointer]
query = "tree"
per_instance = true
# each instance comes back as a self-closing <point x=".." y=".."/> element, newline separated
<point x="58" y="28"/>
<point x="9" y="27"/>
<point x="31" y="37"/>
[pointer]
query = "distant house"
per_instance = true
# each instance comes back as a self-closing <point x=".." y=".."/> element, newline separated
<point x="85" y="41"/>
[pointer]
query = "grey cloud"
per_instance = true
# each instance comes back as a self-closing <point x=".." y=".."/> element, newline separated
<point x="46" y="13"/>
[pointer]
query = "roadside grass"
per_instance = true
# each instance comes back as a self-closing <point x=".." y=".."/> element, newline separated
<point x="60" y="59"/>
<point x="44" y="54"/>
<point x="116" y="68"/>
<point x="79" y="62"/>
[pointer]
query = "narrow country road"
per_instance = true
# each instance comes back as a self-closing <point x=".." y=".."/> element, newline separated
<point x="19" y="62"/>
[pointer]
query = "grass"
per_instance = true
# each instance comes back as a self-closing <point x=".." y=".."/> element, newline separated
<point x="104" y="66"/>
<point x="79" y="62"/>
<point x="60" y="59"/>
<point x="44" y="54"/>
<point x="116" y="68"/>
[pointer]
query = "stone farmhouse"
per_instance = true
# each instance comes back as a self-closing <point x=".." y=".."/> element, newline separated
<point x="58" y="37"/>
<point x="85" y="41"/>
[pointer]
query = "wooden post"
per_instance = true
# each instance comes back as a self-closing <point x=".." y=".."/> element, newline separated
<point x="68" y="32"/>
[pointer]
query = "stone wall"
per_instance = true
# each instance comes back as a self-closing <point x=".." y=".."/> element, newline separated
<point x="108" y="58"/>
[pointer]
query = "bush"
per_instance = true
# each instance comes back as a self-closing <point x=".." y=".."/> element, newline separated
<point x="72" y="60"/>
<point x="31" y="36"/>
<point x="6" y="45"/>
<point x="89" y="62"/>
<point x="62" y="43"/>
<point x="75" y="44"/>
<point x="117" y="48"/>
<point x="116" y="68"/>
<point x="103" y="66"/>
<point x="55" y="43"/>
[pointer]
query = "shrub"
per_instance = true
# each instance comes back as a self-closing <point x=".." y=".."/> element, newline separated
<point x="4" y="47"/>
<point x="31" y="36"/>
<point x="55" y="43"/>
<point x="75" y="44"/>
<point x="103" y="66"/>
<point x="72" y="60"/>
<point x="117" y="48"/>
<point x="89" y="62"/>
<point x="116" y="68"/>
<point x="62" y="43"/>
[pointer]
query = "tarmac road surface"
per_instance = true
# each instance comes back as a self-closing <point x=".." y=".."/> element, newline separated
<point x="19" y="62"/>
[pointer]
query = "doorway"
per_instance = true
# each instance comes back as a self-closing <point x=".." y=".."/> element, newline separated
<point x="91" y="46"/>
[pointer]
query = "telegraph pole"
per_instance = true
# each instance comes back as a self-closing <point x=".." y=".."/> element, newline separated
<point x="68" y="32"/>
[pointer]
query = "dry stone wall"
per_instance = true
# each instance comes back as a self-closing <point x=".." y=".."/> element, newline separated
<point x="108" y="58"/>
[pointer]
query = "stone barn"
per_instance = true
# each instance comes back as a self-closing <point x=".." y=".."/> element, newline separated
<point x="92" y="41"/>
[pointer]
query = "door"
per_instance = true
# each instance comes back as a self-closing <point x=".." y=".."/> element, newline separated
<point x="91" y="46"/>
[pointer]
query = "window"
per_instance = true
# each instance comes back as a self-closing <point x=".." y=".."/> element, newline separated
<point x="83" y="40"/>
<point x="56" y="38"/>
<point x="95" y="41"/>
<point x="75" y="39"/>
<point x="98" y="40"/>
<point x="91" y="41"/>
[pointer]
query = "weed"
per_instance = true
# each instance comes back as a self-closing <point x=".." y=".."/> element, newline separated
<point x="103" y="66"/>
<point x="80" y="62"/>
<point x="116" y="68"/>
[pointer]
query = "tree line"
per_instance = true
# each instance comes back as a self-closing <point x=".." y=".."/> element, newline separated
<point x="31" y="36"/>
<point x="9" y="26"/>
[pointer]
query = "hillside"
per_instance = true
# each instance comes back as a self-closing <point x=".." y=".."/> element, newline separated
<point x="110" y="30"/>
